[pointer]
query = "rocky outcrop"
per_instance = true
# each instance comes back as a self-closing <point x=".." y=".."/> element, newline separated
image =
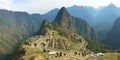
<point x="68" y="23"/>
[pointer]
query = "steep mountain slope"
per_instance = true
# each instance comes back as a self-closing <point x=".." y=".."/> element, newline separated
<point x="14" y="28"/>
<point x="112" y="38"/>
<point x="37" y="18"/>
<point x="84" y="12"/>
<point x="73" y="24"/>
<point x="105" y="18"/>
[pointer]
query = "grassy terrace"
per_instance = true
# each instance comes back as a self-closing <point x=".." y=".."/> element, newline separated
<point x="56" y="35"/>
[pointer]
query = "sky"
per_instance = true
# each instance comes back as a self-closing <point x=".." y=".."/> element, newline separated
<point x="43" y="6"/>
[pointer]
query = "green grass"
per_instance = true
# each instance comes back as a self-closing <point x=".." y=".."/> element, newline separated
<point x="60" y="37"/>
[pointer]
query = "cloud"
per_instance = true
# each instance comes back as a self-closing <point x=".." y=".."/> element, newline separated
<point x="5" y="4"/>
<point x="34" y="6"/>
<point x="43" y="6"/>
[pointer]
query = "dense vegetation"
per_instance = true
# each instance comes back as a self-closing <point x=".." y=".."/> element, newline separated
<point x="96" y="46"/>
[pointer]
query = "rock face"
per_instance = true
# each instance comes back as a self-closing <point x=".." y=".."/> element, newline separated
<point x="73" y="24"/>
<point x="112" y="38"/>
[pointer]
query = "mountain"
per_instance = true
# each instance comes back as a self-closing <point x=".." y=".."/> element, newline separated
<point x="83" y="12"/>
<point x="112" y="38"/>
<point x="14" y="28"/>
<point x="100" y="19"/>
<point x="58" y="38"/>
<point x="50" y="16"/>
<point x="51" y="37"/>
<point x="17" y="26"/>
<point x="38" y="18"/>
<point x="104" y="19"/>
<point x="73" y="24"/>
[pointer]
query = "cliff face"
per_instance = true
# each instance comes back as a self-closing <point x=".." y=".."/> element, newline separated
<point x="73" y="24"/>
<point x="112" y="38"/>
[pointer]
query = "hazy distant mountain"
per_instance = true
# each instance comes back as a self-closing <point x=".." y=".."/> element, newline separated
<point x="113" y="36"/>
<point x="50" y="16"/>
<point x="104" y="19"/>
<point x="15" y="27"/>
<point x="83" y="12"/>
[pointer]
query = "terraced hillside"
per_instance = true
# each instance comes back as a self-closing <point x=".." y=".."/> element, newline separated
<point x="52" y="41"/>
